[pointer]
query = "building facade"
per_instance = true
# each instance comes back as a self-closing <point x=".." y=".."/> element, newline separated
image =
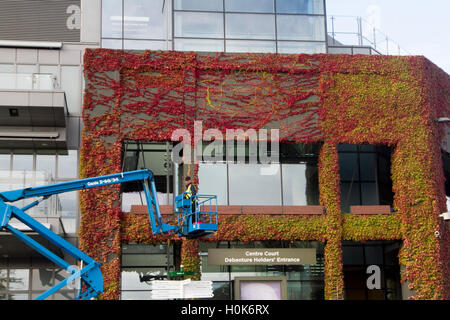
<point x="44" y="92"/>
<point x="359" y="175"/>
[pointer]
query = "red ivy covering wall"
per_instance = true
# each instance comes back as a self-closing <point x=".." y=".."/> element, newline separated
<point x="328" y="98"/>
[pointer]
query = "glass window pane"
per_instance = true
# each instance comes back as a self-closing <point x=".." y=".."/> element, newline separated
<point x="18" y="296"/>
<point x="146" y="45"/>
<point x="145" y="19"/>
<point x="68" y="208"/>
<point x="67" y="165"/>
<point x="349" y="196"/>
<point x="198" y="24"/>
<point x="300" y="6"/>
<point x="64" y="295"/>
<point x="250" y="26"/>
<point x="352" y="255"/>
<point x="199" y="45"/>
<point x="348" y="166"/>
<point x="300" y="184"/>
<point x="23" y="162"/>
<point x="42" y="279"/>
<point x="112" y="18"/>
<point x="213" y="180"/>
<point x="301" y="47"/>
<point x="7" y="76"/>
<point x="112" y="43"/>
<point x="265" y="189"/>
<point x="5" y="161"/>
<point x="374" y="255"/>
<point x="338" y="50"/>
<point x="249" y="6"/>
<point x="3" y="279"/>
<point x="46" y="163"/>
<point x="71" y="84"/>
<point x="292" y="27"/>
<point x="202" y="5"/>
<point x="135" y="295"/>
<point x="131" y="277"/>
<point x="369" y="194"/>
<point x="368" y="166"/>
<point x="250" y="46"/>
<point x="19" y="279"/>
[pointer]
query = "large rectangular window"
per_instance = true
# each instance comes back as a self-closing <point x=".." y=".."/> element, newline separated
<point x="26" y="279"/>
<point x="153" y="156"/>
<point x="291" y="180"/>
<point x="143" y="263"/>
<point x="365" y="175"/>
<point x="375" y="259"/>
<point x="304" y="282"/>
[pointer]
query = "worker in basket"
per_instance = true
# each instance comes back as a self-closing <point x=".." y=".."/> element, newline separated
<point x="190" y="193"/>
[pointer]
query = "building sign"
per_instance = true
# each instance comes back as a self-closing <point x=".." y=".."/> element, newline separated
<point x="261" y="256"/>
<point x="40" y="20"/>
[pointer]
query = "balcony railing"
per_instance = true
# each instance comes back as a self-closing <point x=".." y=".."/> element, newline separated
<point x="28" y="81"/>
<point x="351" y="32"/>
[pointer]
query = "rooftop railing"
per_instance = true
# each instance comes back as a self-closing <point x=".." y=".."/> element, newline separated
<point x="351" y="32"/>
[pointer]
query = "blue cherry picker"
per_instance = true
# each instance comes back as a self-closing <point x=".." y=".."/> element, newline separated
<point x="190" y="223"/>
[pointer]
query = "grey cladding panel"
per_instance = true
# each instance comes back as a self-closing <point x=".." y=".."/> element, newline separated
<point x="39" y="20"/>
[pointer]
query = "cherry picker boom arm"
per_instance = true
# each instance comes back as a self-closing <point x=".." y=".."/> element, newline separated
<point x="90" y="275"/>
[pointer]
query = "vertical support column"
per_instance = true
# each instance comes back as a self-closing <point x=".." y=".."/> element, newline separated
<point x="417" y="177"/>
<point x="329" y="184"/>
<point x="190" y="258"/>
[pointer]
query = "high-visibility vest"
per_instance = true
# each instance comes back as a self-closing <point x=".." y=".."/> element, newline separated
<point x="189" y="192"/>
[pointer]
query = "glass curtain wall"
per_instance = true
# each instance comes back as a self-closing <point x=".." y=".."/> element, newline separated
<point x="283" y="26"/>
<point x="20" y="169"/>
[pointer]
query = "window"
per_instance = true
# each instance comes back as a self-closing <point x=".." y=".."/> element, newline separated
<point x="71" y="84"/>
<point x="249" y="6"/>
<point x="365" y="175"/>
<point x="251" y="46"/>
<point x="203" y="5"/>
<point x="290" y="27"/>
<point x="198" y="24"/>
<point x="357" y="257"/>
<point x="291" y="180"/>
<point x="249" y="26"/>
<point x="300" y="6"/>
<point x="304" y="282"/>
<point x="68" y="165"/>
<point x="248" y="22"/>
<point x="26" y="279"/>
<point x="153" y="156"/>
<point x="127" y="20"/>
<point x="140" y="263"/>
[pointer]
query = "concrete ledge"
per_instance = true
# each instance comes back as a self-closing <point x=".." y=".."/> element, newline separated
<point x="254" y="210"/>
<point x="366" y="210"/>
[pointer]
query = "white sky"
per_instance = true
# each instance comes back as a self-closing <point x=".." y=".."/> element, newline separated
<point x="420" y="27"/>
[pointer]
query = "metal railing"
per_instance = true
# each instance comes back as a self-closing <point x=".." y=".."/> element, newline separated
<point x="28" y="81"/>
<point x="351" y="31"/>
